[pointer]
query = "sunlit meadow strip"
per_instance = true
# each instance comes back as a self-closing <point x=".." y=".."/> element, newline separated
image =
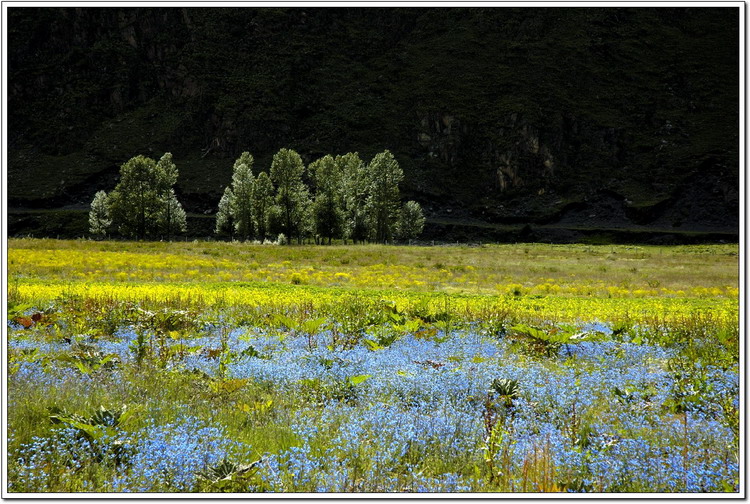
<point x="467" y="307"/>
<point x="546" y="270"/>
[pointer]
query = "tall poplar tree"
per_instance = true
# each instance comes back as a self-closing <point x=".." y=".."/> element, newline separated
<point x="99" y="220"/>
<point x="171" y="217"/>
<point x="384" y="175"/>
<point x="224" y="222"/>
<point x="411" y="221"/>
<point x="327" y="208"/>
<point x="292" y="195"/>
<point x="235" y="212"/>
<point x="262" y="204"/>
<point x="355" y="188"/>
<point x="242" y="196"/>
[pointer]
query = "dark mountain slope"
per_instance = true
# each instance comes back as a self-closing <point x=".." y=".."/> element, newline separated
<point x="505" y="115"/>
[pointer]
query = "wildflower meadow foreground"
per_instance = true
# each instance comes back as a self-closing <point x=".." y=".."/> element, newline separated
<point x="225" y="367"/>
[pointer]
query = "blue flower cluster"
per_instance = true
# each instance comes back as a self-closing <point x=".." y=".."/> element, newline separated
<point x="375" y="449"/>
<point x="46" y="461"/>
<point x="167" y="457"/>
<point x="420" y="392"/>
<point x="600" y="414"/>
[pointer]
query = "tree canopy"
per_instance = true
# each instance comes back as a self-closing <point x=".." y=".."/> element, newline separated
<point x="333" y="197"/>
<point x="292" y="196"/>
<point x="144" y="204"/>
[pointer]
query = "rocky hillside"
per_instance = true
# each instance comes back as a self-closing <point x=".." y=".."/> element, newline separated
<point x="567" y="118"/>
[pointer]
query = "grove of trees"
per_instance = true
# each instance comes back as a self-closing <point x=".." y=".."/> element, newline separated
<point x="332" y="198"/>
<point x="338" y="197"/>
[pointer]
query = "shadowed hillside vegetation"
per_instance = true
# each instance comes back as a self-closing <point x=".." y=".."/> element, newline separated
<point x="579" y="117"/>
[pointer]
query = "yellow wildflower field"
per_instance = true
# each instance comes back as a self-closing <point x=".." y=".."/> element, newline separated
<point x="552" y="282"/>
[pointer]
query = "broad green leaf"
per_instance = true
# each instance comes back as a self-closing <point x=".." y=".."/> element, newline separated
<point x="105" y="360"/>
<point x="413" y="325"/>
<point x="83" y="368"/>
<point x="356" y="380"/>
<point x="409" y="326"/>
<point x="17" y="309"/>
<point x="95" y="432"/>
<point x="128" y="413"/>
<point x="312" y="326"/>
<point x="373" y="345"/>
<point x="285" y="321"/>
<point x="530" y="331"/>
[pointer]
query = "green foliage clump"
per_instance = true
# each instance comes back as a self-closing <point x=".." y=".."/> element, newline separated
<point x="99" y="220"/>
<point x="240" y="205"/>
<point x="328" y="204"/>
<point x="144" y="203"/>
<point x="354" y="181"/>
<point x="385" y="175"/>
<point x="292" y="196"/>
<point x="263" y="206"/>
<point x="411" y="223"/>
<point x="224" y="221"/>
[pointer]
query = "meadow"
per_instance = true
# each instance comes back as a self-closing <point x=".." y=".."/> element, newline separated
<point x="233" y="367"/>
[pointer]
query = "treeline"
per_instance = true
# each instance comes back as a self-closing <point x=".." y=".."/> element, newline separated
<point x="338" y="197"/>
